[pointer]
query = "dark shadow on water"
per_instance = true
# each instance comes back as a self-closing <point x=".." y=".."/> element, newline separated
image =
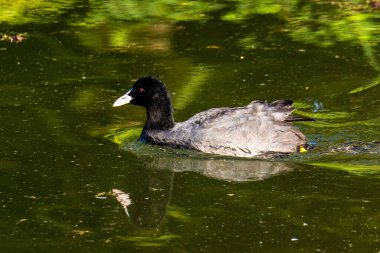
<point x="150" y="196"/>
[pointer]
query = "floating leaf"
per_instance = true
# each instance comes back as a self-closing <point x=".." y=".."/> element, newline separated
<point x="22" y="220"/>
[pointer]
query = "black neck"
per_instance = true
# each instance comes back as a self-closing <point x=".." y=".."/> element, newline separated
<point x="160" y="115"/>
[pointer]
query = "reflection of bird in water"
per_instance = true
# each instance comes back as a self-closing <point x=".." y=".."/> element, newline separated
<point x="147" y="196"/>
<point x="150" y="191"/>
<point x="217" y="167"/>
<point x="223" y="169"/>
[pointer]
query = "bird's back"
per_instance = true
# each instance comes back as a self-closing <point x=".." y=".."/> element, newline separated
<point x="256" y="129"/>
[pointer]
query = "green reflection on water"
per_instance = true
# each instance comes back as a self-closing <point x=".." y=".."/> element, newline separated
<point x="57" y="87"/>
<point x="354" y="168"/>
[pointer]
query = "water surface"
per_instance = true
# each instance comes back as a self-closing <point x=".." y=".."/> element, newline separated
<point x="64" y="147"/>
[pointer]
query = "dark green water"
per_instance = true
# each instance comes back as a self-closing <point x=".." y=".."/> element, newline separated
<point x="58" y="131"/>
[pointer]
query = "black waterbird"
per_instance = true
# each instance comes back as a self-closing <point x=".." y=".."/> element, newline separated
<point x="259" y="129"/>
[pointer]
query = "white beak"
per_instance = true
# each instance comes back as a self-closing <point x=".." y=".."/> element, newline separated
<point x="125" y="99"/>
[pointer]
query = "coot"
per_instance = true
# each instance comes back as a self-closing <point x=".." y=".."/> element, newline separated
<point x="259" y="129"/>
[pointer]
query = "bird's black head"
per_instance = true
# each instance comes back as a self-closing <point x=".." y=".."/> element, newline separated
<point x="151" y="93"/>
<point x="146" y="91"/>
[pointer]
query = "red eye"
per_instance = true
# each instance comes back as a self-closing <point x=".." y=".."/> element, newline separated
<point x="140" y="90"/>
